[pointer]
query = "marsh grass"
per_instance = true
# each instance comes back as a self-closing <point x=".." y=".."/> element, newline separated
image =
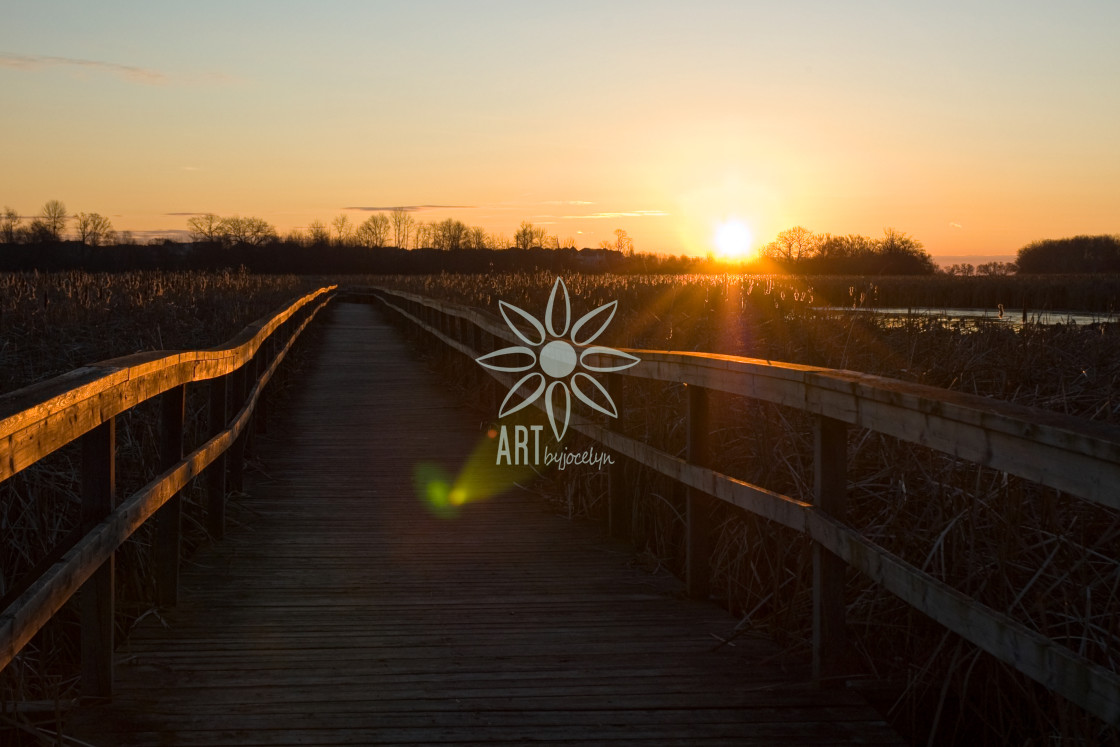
<point x="1044" y="558"/>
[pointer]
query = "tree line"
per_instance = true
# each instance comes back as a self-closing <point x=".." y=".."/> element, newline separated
<point x="796" y="250"/>
<point x="396" y="227"/>
<point x="49" y="226"/>
<point x="801" y="251"/>
<point x="1076" y="254"/>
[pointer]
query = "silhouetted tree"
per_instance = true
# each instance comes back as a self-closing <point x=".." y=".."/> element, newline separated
<point x="251" y="231"/>
<point x="422" y="234"/>
<point x="963" y="269"/>
<point x="523" y="238"/>
<point x="448" y="234"/>
<point x="9" y="225"/>
<point x="993" y="269"/>
<point x="374" y="231"/>
<point x="94" y="229"/>
<point x="793" y="245"/>
<point x="342" y="228"/>
<point x="476" y="238"/>
<point x="50" y="223"/>
<point x="1075" y="254"/>
<point x="206" y="227"/>
<point x="402" y="223"/>
<point x="901" y="254"/>
<point x="318" y="234"/>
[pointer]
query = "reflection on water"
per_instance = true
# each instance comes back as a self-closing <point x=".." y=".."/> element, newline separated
<point x="1013" y="317"/>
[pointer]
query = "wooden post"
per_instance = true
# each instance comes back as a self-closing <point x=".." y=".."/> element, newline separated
<point x="698" y="551"/>
<point x="169" y="516"/>
<point x="252" y="371"/>
<point x="98" y="487"/>
<point x="830" y="487"/>
<point x="619" y="509"/>
<point x="236" y="453"/>
<point x="216" y="473"/>
<point x="263" y="358"/>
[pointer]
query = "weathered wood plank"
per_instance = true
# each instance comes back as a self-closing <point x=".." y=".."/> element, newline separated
<point x="346" y="613"/>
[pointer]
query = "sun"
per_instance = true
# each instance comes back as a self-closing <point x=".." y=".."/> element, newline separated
<point x="733" y="240"/>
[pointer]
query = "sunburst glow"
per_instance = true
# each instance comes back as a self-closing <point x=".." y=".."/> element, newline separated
<point x="733" y="240"/>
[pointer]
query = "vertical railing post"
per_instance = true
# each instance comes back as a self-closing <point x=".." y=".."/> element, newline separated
<point x="698" y="551"/>
<point x="476" y="339"/>
<point x="619" y="509"/>
<point x="98" y="488"/>
<point x="252" y="371"/>
<point x="216" y="473"/>
<point x="830" y="488"/>
<point x="169" y="516"/>
<point x="236" y="453"/>
<point x="263" y="358"/>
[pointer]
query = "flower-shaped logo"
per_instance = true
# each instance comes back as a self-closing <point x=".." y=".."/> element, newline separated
<point x="561" y="351"/>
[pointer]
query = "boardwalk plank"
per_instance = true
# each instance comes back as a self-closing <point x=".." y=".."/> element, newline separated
<point x="344" y="613"/>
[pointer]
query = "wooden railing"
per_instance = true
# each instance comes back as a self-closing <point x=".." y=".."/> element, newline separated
<point x="83" y="404"/>
<point x="1079" y="457"/>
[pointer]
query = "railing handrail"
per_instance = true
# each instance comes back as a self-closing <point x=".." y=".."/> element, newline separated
<point x="1053" y="449"/>
<point x="1013" y="438"/>
<point x="84" y="403"/>
<point x="39" y="419"/>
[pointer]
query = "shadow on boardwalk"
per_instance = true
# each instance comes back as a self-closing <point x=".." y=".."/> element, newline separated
<point x="345" y="613"/>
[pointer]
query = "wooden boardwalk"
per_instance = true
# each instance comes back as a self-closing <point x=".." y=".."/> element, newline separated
<point x="346" y="613"/>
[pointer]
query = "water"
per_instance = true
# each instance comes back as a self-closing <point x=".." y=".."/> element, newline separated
<point x="1012" y="317"/>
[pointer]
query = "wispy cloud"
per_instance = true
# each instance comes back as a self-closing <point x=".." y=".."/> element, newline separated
<point x="38" y="62"/>
<point x="627" y="214"/>
<point x="409" y="208"/>
<point x="175" y="234"/>
<point x="567" y="202"/>
<point x="955" y="225"/>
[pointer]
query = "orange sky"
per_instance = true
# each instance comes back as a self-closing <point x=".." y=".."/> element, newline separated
<point x="976" y="130"/>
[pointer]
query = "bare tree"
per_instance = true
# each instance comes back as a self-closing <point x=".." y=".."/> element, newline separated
<point x="205" y="227"/>
<point x="476" y="238"/>
<point x="9" y="225"/>
<point x="793" y="245"/>
<point x="540" y="237"/>
<point x="622" y="242"/>
<point x="250" y="230"/>
<point x="343" y="228"/>
<point x="233" y="230"/>
<point x="448" y="234"/>
<point x="94" y="229"/>
<point x="374" y="231"/>
<point x="844" y="247"/>
<point x="497" y="241"/>
<point x="52" y="220"/>
<point x="422" y="235"/>
<point x="258" y="231"/>
<point x="317" y="233"/>
<point x="523" y="238"/>
<point x="403" y="223"/>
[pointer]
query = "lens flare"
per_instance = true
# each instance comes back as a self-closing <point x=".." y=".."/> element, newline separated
<point x="479" y="478"/>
